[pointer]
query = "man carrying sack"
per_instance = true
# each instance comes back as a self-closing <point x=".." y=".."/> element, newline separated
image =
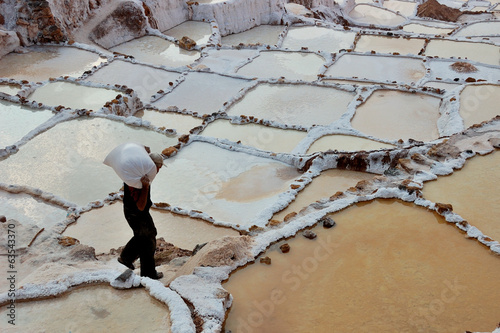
<point x="137" y="169"/>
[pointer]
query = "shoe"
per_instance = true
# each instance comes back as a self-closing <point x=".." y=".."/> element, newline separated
<point x="158" y="276"/>
<point x="121" y="261"/>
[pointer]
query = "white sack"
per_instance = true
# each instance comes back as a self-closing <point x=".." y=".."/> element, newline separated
<point x="131" y="162"/>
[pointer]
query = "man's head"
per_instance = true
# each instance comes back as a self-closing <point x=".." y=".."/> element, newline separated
<point x="157" y="159"/>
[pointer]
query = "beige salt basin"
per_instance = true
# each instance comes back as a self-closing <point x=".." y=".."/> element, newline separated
<point x="180" y="122"/>
<point x="263" y="34"/>
<point x="348" y="143"/>
<point x="368" y="43"/>
<point x="92" y="309"/>
<point x="387" y="266"/>
<point x="106" y="228"/>
<point x="473" y="192"/>
<point x="479" y="103"/>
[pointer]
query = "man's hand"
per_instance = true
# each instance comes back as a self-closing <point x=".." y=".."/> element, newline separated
<point x="145" y="181"/>
<point x="147" y="149"/>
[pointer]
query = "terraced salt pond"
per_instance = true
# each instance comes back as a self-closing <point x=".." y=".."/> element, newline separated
<point x="341" y="142"/>
<point x="81" y="176"/>
<point x="198" y="31"/>
<point x="367" y="274"/>
<point x="467" y="190"/>
<point x="379" y="44"/>
<point x="479" y="103"/>
<point x="106" y="308"/>
<point x="264" y="34"/>
<point x="180" y="122"/>
<point x="302" y="105"/>
<point x="43" y="62"/>
<point x="291" y="65"/>
<point x="318" y="39"/>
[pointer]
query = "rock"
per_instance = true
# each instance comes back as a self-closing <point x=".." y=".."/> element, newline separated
<point x="165" y="252"/>
<point x="68" y="241"/>
<point x="289" y="216"/>
<point x="170" y="151"/>
<point x="265" y="260"/>
<point x="3" y="219"/>
<point x="198" y="247"/>
<point x="495" y="142"/>
<point x="285" y="248"/>
<point x="187" y="43"/>
<point x="433" y="9"/>
<point x="470" y="79"/>
<point x="443" y="208"/>
<point x="309" y="234"/>
<point x="125" y="23"/>
<point x="327" y="222"/>
<point x="463" y="67"/>
<point x="8" y="42"/>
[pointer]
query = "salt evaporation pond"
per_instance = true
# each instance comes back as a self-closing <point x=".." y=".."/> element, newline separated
<point x="263" y="34"/>
<point x="180" y="122"/>
<point x="480" y="52"/>
<point x="73" y="95"/>
<point x="9" y="90"/>
<point x="67" y="159"/>
<point x="17" y="121"/>
<point x="341" y="142"/>
<point x="145" y="80"/>
<point x="93" y="229"/>
<point x="291" y="65"/>
<point x="323" y="186"/>
<point x="479" y="29"/>
<point x="198" y="31"/>
<point x="404" y="8"/>
<point x="367" y="43"/>
<point x="368" y="274"/>
<point x="258" y="136"/>
<point x="98" y="309"/>
<point x="378" y="68"/>
<point x="479" y="103"/>
<point x="211" y="91"/>
<point x="302" y="105"/>
<point x="231" y="187"/>
<point x="157" y="51"/>
<point x="369" y="14"/>
<point x="393" y="115"/>
<point x="44" y="62"/>
<point x="425" y="29"/>
<point x="318" y="39"/>
<point x="227" y="61"/>
<point x="470" y="190"/>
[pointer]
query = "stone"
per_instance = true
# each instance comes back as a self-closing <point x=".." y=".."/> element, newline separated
<point x="327" y="222"/>
<point x="265" y="260"/>
<point x="165" y="252"/>
<point x="463" y="67"/>
<point x="433" y="9"/>
<point x="289" y="216"/>
<point x="285" y="248"/>
<point x="3" y="219"/>
<point x="68" y="241"/>
<point x="8" y="42"/>
<point x="309" y="234"/>
<point x="187" y="43"/>
<point x="443" y="208"/>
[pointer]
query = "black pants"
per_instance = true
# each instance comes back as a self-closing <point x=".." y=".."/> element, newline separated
<point x="143" y="244"/>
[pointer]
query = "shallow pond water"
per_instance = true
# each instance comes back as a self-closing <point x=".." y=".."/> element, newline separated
<point x="204" y="93"/>
<point x="379" y="44"/>
<point x="44" y="62"/>
<point x="106" y="228"/>
<point x="378" y="68"/>
<point x="346" y="143"/>
<point x="73" y="95"/>
<point x="386" y="266"/>
<point x="425" y="29"/>
<point x="98" y="309"/>
<point x="146" y="81"/>
<point x="291" y="65"/>
<point x="232" y="187"/>
<point x="263" y="34"/>
<point x="67" y="160"/>
<point x="479" y="103"/>
<point x="294" y="104"/>
<point x="10" y="90"/>
<point x="473" y="192"/>
<point x="180" y="122"/>
<point x="485" y="53"/>
<point x="403" y="7"/>
<point x="318" y="39"/>
<point x="17" y="121"/>
<point x="394" y="115"/>
<point x="368" y="14"/>
<point x="258" y="136"/>
<point x="157" y="51"/>
<point x="479" y="29"/>
<point x="198" y="31"/>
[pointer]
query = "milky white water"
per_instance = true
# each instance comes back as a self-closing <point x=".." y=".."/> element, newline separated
<point x="368" y="14"/>
<point x="180" y="122"/>
<point x="258" y="136"/>
<point x="403" y="7"/>
<point x="479" y="29"/>
<point x="403" y="46"/>
<point x="198" y="31"/>
<point x="485" y="53"/>
<point x="291" y="65"/>
<point x="17" y="121"/>
<point x="294" y="104"/>
<point x="425" y="29"/>
<point x="479" y="103"/>
<point x="10" y="90"/>
<point x="263" y="34"/>
<point x="67" y="159"/>
<point x="318" y="39"/>
<point x="341" y="142"/>
<point x="397" y="115"/>
<point x="227" y="61"/>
